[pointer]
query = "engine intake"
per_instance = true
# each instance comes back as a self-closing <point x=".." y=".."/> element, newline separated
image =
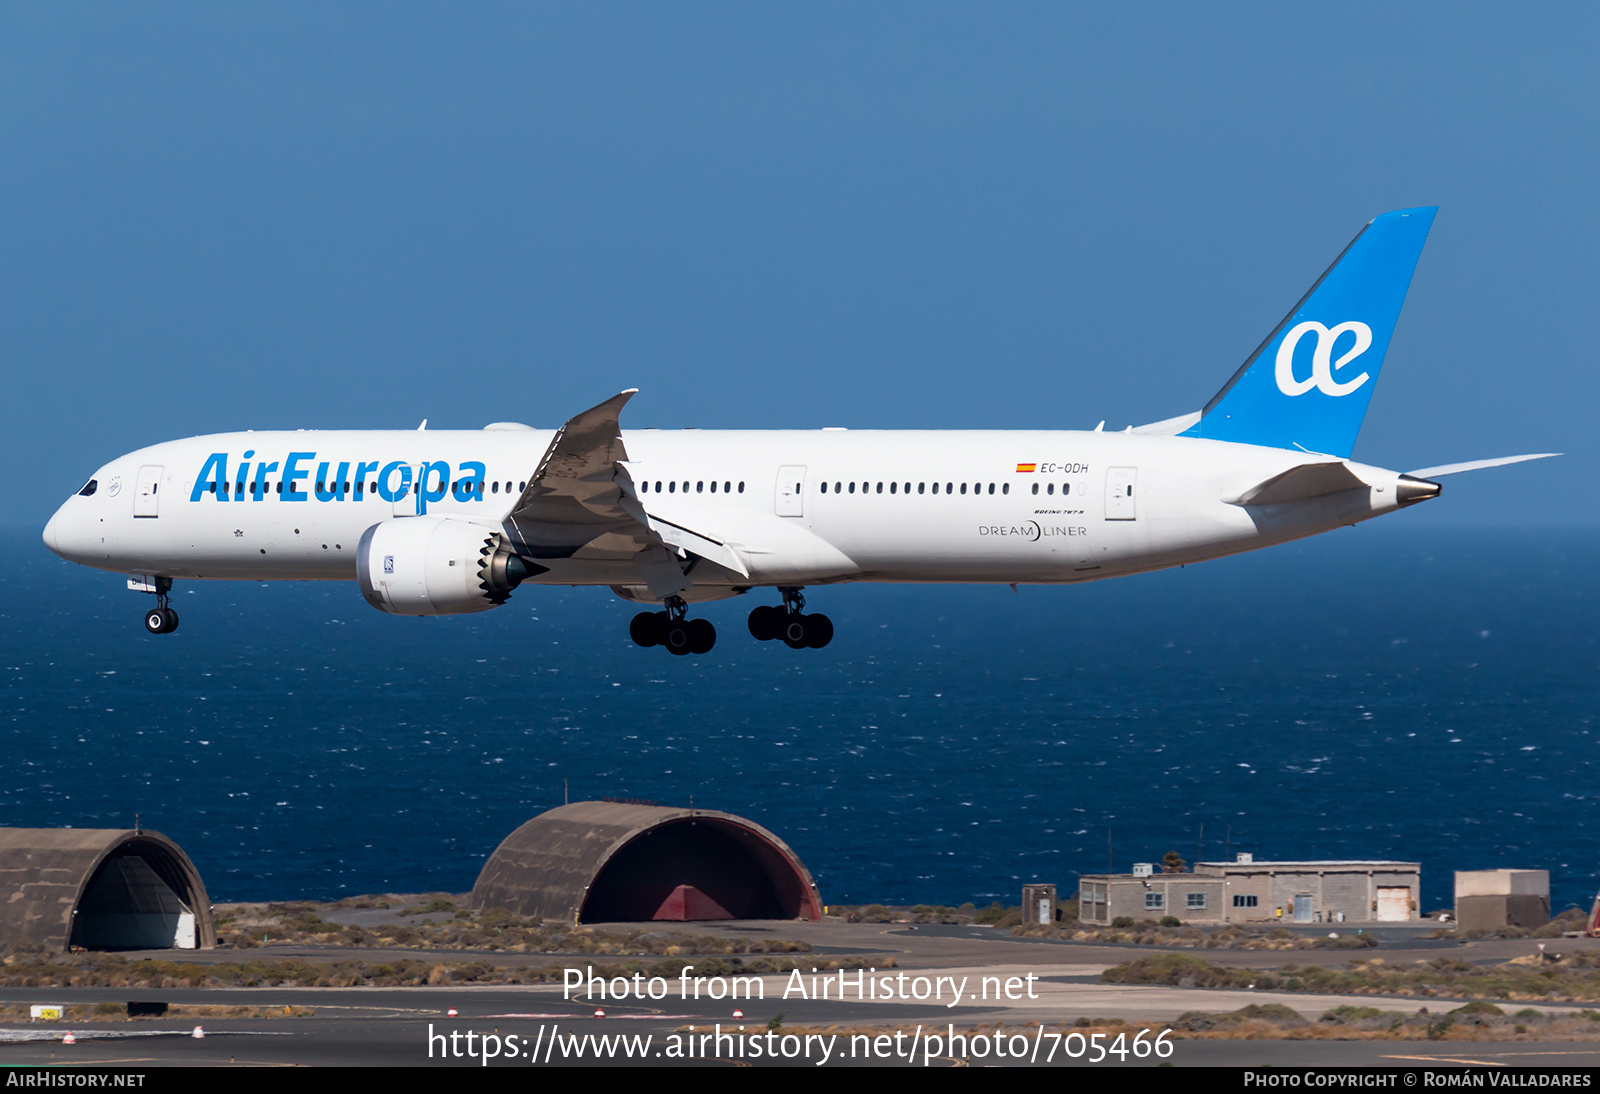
<point x="437" y="566"/>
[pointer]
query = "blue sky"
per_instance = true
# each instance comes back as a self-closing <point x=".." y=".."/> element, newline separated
<point x="874" y="215"/>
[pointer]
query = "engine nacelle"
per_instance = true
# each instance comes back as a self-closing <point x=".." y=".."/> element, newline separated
<point x="436" y="566"/>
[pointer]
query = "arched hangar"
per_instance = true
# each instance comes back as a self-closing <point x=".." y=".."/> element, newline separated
<point x="101" y="889"/>
<point x="610" y="862"/>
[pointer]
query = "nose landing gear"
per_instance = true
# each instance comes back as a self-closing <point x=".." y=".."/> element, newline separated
<point x="161" y="619"/>
<point x="789" y="623"/>
<point x="671" y="629"/>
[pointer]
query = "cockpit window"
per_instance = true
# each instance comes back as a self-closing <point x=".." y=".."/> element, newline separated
<point x="88" y="488"/>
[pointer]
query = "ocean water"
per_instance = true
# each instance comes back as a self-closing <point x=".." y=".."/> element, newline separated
<point x="1380" y="692"/>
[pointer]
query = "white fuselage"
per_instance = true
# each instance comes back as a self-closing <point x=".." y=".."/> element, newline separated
<point x="797" y="507"/>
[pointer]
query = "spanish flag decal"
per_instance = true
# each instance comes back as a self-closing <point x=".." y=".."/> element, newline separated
<point x="1027" y="467"/>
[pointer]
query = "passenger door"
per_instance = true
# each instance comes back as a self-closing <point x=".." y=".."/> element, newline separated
<point x="791" y="483"/>
<point x="146" y="503"/>
<point x="1120" y="503"/>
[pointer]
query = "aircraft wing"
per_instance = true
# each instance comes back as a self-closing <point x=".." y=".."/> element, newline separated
<point x="580" y="504"/>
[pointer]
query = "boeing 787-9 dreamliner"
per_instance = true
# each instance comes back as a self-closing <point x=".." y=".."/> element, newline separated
<point x="441" y="522"/>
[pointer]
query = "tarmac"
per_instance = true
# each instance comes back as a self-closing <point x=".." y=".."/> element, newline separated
<point x="1020" y="988"/>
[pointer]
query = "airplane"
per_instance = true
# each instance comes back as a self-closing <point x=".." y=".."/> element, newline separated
<point x="437" y="522"/>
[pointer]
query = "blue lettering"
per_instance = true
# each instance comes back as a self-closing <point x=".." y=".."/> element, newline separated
<point x="361" y="475"/>
<point x="389" y="493"/>
<point x="291" y="471"/>
<point x="214" y="475"/>
<point x="325" y="490"/>
<point x="331" y="491"/>
<point x="424" y="494"/>
<point x="260" y="488"/>
<point x="244" y="477"/>
<point x="472" y="486"/>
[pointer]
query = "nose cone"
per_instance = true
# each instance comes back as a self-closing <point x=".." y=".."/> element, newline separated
<point x="65" y="534"/>
<point x="51" y="533"/>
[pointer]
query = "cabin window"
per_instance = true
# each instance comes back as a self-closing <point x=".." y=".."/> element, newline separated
<point x="1035" y="488"/>
<point x="892" y="486"/>
<point x="922" y="487"/>
<point x="852" y="488"/>
<point x="1051" y="489"/>
<point x="1005" y="488"/>
<point x="741" y="488"/>
<point x="699" y="487"/>
<point x="713" y="486"/>
<point x="824" y="488"/>
<point x="880" y="488"/>
<point x="672" y="488"/>
<point x="963" y="488"/>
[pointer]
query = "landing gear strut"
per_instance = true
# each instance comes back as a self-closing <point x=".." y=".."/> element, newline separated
<point x="790" y="623"/>
<point x="671" y="629"/>
<point x="161" y="619"/>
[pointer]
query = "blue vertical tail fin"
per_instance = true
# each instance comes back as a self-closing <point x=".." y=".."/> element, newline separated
<point x="1308" y="385"/>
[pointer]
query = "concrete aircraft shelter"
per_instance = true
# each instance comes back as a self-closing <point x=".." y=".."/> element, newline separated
<point x="100" y="888"/>
<point x="610" y="862"/>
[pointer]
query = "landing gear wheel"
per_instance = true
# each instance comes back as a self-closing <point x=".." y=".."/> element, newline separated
<point x="794" y="632"/>
<point x="819" y="631"/>
<point x="160" y="619"/>
<point x="678" y="639"/>
<point x="648" y="628"/>
<point x="702" y="636"/>
<point x="765" y="622"/>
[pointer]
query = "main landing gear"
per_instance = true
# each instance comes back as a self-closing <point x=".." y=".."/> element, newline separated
<point x="670" y="629"/>
<point x="161" y="619"/>
<point x="790" y="623"/>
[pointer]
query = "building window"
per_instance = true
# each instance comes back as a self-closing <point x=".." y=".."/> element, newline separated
<point x="1196" y="901"/>
<point x="1155" y="902"/>
<point x="1242" y="901"/>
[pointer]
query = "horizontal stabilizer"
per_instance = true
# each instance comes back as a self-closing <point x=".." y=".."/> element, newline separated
<point x="1309" y="480"/>
<point x="1476" y="465"/>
